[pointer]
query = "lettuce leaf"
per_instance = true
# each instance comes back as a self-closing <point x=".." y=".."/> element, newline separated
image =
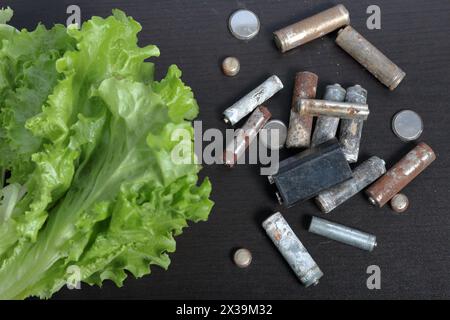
<point x="105" y="195"/>
<point x="27" y="76"/>
<point x="5" y="15"/>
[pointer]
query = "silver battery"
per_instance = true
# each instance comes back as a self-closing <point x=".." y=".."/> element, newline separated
<point x="407" y="125"/>
<point x="326" y="127"/>
<point x="366" y="173"/>
<point x="292" y="249"/>
<point x="340" y="233"/>
<point x="244" y="24"/>
<point x="273" y="135"/>
<point x="370" y="57"/>
<point x="253" y="99"/>
<point x="351" y="129"/>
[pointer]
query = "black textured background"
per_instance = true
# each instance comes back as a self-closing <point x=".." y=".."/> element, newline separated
<point x="413" y="249"/>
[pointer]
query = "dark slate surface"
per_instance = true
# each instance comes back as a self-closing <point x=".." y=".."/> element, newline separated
<point x="413" y="249"/>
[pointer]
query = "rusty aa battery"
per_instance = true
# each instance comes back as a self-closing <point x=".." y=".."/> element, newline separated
<point x="366" y="173"/>
<point x="326" y="127"/>
<point x="292" y="249"/>
<point x="245" y="135"/>
<point x="311" y="28"/>
<point x="343" y="110"/>
<point x="386" y="71"/>
<point x="299" y="133"/>
<point x="401" y="174"/>
<point x="338" y="232"/>
<point x="253" y="99"/>
<point x="350" y="131"/>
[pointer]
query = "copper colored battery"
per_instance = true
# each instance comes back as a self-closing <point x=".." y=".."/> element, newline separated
<point x="401" y="174"/>
<point x="370" y="57"/>
<point x="300" y="126"/>
<point x="311" y="28"/>
<point x="245" y="135"/>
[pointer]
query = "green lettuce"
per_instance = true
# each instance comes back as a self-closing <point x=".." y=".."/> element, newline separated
<point x="28" y="75"/>
<point x="5" y="15"/>
<point x="94" y="183"/>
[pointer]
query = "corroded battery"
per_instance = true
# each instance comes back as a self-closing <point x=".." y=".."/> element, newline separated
<point x="338" y="232"/>
<point x="306" y="174"/>
<point x="326" y="127"/>
<point x="343" y="110"/>
<point x="292" y="249"/>
<point x="311" y="28"/>
<point x="351" y="129"/>
<point x="299" y="133"/>
<point x="401" y="174"/>
<point x="366" y="173"/>
<point x="253" y="99"/>
<point x="386" y="71"/>
<point x="245" y="135"/>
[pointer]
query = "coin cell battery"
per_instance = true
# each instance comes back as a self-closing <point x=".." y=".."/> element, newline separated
<point x="244" y="24"/>
<point x="242" y="258"/>
<point x="231" y="66"/>
<point x="407" y="125"/>
<point x="273" y="135"/>
<point x="399" y="203"/>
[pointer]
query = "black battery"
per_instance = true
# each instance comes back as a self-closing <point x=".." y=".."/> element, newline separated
<point x="306" y="174"/>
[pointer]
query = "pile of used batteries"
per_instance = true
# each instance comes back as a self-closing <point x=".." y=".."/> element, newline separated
<point x="322" y="171"/>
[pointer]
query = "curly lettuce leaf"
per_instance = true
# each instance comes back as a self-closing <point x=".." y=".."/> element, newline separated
<point x="106" y="195"/>
<point x="127" y="201"/>
<point x="6" y="31"/>
<point x="5" y="15"/>
<point x="104" y="47"/>
<point x="27" y="76"/>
